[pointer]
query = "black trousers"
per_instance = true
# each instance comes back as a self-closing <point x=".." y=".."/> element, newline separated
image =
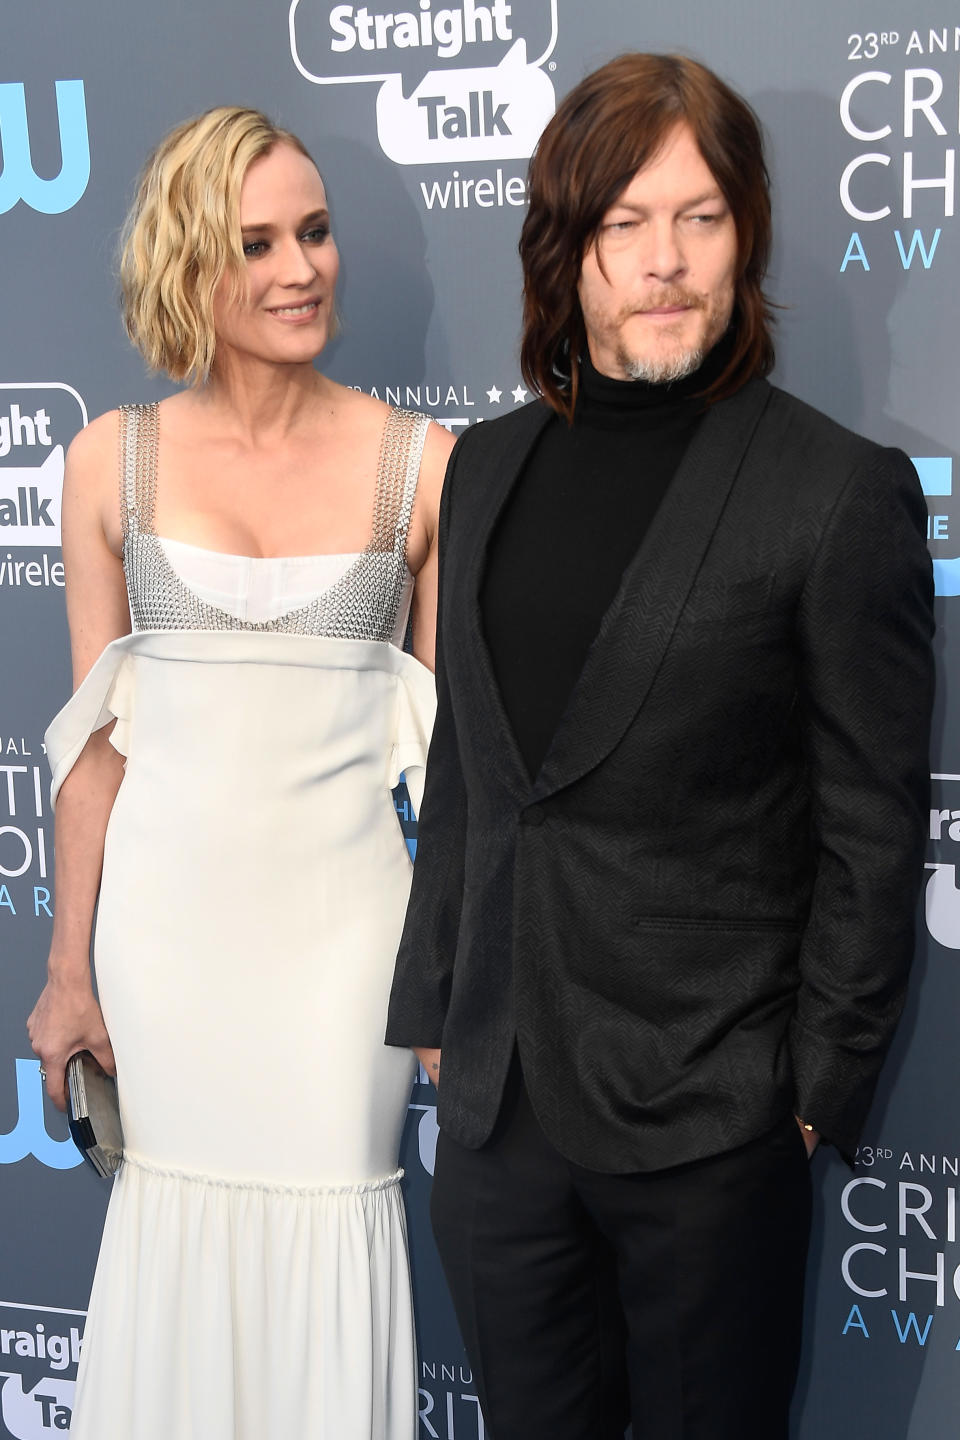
<point x="671" y="1298"/>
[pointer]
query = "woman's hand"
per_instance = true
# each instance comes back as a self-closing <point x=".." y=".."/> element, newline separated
<point x="430" y="1060"/>
<point x="65" y="1019"/>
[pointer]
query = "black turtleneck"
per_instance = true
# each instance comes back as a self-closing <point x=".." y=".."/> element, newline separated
<point x="573" y="523"/>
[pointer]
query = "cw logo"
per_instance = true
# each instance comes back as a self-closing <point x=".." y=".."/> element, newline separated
<point x="18" y="179"/>
<point x="29" y="1136"/>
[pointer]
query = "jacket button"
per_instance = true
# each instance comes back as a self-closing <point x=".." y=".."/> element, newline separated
<point x="533" y="815"/>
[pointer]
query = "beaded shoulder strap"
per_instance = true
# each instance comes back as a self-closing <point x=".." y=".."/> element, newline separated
<point x="138" y="467"/>
<point x="398" y="470"/>
<point x="363" y="604"/>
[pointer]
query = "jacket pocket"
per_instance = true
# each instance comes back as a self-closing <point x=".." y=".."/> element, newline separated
<point x="730" y="924"/>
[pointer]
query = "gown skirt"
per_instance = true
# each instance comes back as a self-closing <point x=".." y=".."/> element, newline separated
<point x="253" y="1280"/>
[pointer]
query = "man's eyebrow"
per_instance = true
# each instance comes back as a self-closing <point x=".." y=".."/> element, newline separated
<point x="704" y="199"/>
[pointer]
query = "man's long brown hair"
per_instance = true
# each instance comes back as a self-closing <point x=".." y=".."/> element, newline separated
<point x="611" y="125"/>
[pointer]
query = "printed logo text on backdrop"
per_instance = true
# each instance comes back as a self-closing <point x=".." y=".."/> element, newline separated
<point x="456" y="84"/>
<point x="943" y="527"/>
<point x="900" y="110"/>
<point x="942" y="897"/>
<point x="900" y="1265"/>
<point x="38" y="419"/>
<point x="18" y="178"/>
<point x="39" y="1350"/>
<point x="29" y="1135"/>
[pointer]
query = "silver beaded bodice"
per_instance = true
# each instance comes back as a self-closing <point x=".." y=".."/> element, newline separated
<point x="362" y="605"/>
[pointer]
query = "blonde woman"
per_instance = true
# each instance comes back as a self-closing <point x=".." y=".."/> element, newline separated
<point x="223" y="777"/>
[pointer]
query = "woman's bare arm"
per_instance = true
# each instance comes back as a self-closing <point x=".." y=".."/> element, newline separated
<point x="67" y="1017"/>
<point x="436" y="452"/>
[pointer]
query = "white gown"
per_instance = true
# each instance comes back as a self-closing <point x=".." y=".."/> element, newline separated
<point x="253" y="1281"/>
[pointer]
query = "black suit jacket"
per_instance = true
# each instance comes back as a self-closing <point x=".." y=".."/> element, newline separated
<point x="699" y="916"/>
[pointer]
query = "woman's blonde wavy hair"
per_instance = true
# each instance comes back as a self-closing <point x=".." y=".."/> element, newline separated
<point x="182" y="235"/>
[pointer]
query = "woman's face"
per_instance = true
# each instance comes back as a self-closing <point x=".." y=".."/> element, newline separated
<point x="291" y="265"/>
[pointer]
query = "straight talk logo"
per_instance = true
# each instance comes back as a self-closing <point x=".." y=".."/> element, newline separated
<point x="429" y="111"/>
<point x="37" y="422"/>
<point x="39" y="1351"/>
<point x="447" y="30"/>
<point x="44" y="571"/>
<point x="942" y="897"/>
<point x="474" y="192"/>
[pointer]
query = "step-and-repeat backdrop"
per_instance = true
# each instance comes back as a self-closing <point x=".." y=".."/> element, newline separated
<point x="422" y="122"/>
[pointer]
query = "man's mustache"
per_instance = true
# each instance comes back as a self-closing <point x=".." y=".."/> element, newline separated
<point x="674" y="295"/>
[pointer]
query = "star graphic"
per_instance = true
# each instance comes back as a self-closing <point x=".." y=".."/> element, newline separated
<point x="519" y="395"/>
<point x="493" y="395"/>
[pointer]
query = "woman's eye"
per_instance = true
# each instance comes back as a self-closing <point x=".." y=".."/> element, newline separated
<point x="253" y="248"/>
<point x="317" y="235"/>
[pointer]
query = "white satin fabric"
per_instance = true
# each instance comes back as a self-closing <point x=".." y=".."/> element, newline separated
<point x="253" y="1281"/>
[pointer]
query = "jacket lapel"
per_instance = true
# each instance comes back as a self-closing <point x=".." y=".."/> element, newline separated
<point x="623" y="661"/>
<point x="502" y="467"/>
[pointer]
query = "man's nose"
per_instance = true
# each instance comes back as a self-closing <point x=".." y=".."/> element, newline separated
<point x="663" y="257"/>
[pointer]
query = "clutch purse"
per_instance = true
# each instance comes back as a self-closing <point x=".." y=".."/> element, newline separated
<point x="93" y="1111"/>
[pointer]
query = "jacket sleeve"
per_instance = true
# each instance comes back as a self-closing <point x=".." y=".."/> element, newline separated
<point x="421" y="984"/>
<point x="865" y="627"/>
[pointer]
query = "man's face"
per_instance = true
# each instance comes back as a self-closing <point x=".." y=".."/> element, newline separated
<point x="669" y="248"/>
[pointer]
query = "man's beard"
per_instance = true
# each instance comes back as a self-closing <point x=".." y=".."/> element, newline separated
<point x="663" y="371"/>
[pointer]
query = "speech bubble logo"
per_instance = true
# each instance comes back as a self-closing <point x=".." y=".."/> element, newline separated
<point x="39" y="1352"/>
<point x="37" y="422"/>
<point x="942" y="905"/>
<point x="353" y="44"/>
<point x="464" y="115"/>
<point x="941" y="892"/>
<point x="37" y="1413"/>
<point x="30" y="502"/>
<point x="428" y="1132"/>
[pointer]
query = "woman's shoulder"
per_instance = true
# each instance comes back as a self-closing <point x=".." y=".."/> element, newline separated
<point x="367" y="415"/>
<point x="95" y="437"/>
<point x="358" y="408"/>
<point x="90" y="504"/>
<point x="95" y="443"/>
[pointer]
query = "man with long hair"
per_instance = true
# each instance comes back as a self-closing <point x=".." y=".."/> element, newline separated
<point x="662" y="913"/>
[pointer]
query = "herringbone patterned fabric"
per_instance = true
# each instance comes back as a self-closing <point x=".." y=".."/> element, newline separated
<point x="699" y="916"/>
